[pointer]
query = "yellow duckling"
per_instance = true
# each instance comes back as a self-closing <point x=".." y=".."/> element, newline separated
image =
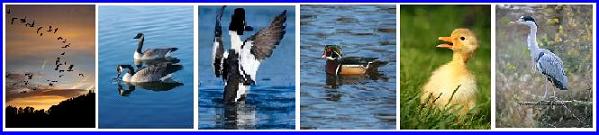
<point x="454" y="75"/>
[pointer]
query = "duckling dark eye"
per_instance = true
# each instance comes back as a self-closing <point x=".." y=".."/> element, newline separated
<point x="462" y="38"/>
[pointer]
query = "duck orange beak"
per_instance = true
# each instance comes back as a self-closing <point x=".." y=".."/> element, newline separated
<point x="448" y="45"/>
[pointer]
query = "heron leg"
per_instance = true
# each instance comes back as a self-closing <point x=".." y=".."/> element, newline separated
<point x="553" y="92"/>
<point x="545" y="95"/>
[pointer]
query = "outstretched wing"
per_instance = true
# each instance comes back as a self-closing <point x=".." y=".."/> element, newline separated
<point x="217" y="46"/>
<point x="264" y="41"/>
<point x="551" y="66"/>
<point x="260" y="46"/>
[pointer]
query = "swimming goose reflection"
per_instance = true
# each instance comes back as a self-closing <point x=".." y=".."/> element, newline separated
<point x="153" y="86"/>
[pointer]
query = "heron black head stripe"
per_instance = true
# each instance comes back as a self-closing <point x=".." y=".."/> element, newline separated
<point x="528" y="18"/>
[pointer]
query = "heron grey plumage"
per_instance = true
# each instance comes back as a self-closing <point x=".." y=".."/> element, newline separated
<point x="544" y="61"/>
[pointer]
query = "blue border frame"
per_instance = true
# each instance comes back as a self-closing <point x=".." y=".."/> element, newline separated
<point x="481" y="132"/>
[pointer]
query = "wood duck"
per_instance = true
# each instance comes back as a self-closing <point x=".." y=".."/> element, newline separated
<point x="453" y="83"/>
<point x="339" y="65"/>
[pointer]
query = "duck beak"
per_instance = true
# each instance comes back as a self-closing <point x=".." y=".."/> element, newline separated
<point x="448" y="45"/>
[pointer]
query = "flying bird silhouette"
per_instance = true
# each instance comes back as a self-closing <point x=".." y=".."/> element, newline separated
<point x="23" y="20"/>
<point x="38" y="29"/>
<point x="57" y="60"/>
<point x="70" y="68"/>
<point x="12" y="21"/>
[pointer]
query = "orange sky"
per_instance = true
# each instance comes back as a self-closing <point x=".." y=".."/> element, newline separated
<point x="27" y="51"/>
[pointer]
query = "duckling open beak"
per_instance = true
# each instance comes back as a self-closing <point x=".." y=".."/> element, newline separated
<point x="448" y="45"/>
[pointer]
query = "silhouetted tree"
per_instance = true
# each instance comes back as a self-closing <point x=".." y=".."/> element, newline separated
<point x="77" y="112"/>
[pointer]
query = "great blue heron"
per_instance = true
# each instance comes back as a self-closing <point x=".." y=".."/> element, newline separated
<point x="544" y="60"/>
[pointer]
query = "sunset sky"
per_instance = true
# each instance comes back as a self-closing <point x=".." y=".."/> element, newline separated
<point x="28" y="52"/>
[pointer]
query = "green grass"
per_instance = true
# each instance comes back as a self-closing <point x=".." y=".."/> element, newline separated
<point x="420" y="27"/>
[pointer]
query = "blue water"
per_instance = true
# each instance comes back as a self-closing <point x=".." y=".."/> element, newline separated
<point x="158" y="106"/>
<point x="356" y="102"/>
<point x="270" y="104"/>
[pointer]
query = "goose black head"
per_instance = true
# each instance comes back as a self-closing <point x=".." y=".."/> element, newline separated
<point x="139" y="36"/>
<point x="238" y="21"/>
<point x="121" y="68"/>
<point x="527" y="20"/>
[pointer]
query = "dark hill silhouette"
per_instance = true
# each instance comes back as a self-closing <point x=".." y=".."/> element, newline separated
<point x="77" y="112"/>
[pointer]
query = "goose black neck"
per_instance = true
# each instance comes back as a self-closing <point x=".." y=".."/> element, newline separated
<point x="140" y="44"/>
<point x="129" y="68"/>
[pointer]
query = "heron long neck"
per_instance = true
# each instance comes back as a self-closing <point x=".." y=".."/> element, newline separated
<point x="140" y="44"/>
<point x="532" y="40"/>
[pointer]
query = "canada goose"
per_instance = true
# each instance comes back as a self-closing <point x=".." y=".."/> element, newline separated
<point x="12" y="21"/>
<point x="29" y="75"/>
<point x="30" y="24"/>
<point x="49" y="28"/>
<point x="152" y="53"/>
<point x="23" y="20"/>
<point x="151" y="73"/>
<point x="38" y="29"/>
<point x="239" y="65"/>
<point x="70" y="68"/>
<point x="545" y="61"/>
<point x="57" y="60"/>
<point x="453" y="83"/>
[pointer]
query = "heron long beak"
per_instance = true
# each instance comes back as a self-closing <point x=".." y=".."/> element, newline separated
<point x="447" y="45"/>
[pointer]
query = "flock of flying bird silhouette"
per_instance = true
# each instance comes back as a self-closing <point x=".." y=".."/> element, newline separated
<point x="61" y="63"/>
